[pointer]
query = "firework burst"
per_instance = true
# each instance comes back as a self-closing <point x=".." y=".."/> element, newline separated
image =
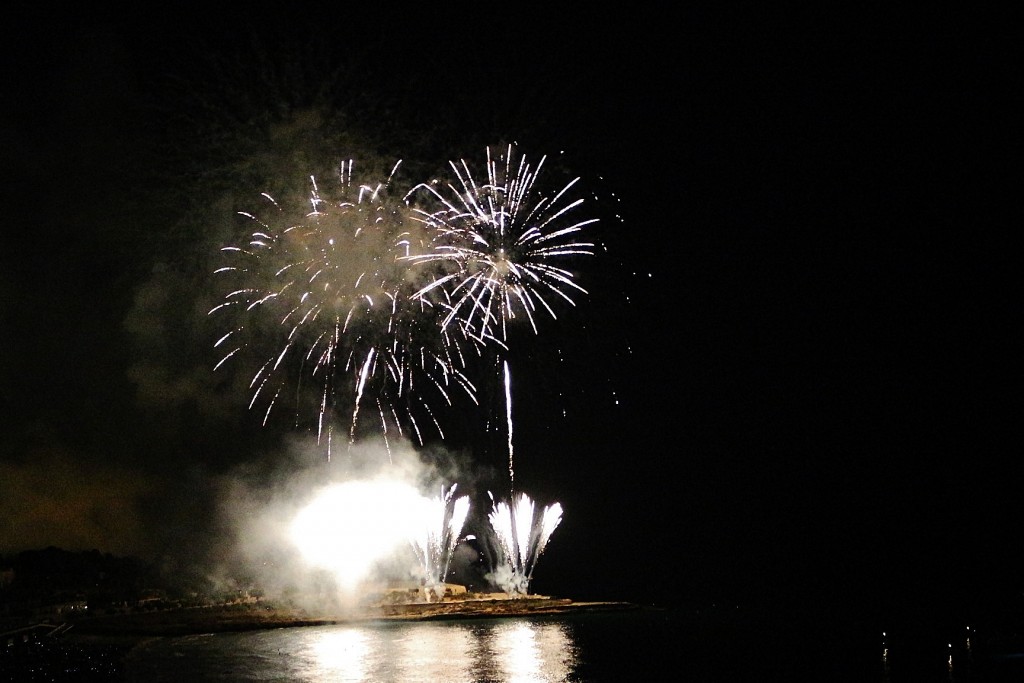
<point x="331" y="294"/>
<point x="500" y="244"/>
<point x="499" y="249"/>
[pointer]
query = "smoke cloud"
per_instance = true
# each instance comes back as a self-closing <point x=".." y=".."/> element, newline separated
<point x="324" y="533"/>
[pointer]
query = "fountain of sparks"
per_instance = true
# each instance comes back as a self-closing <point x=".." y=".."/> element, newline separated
<point x="333" y="295"/>
<point x="521" y="534"/>
<point x="499" y="248"/>
<point x="434" y="542"/>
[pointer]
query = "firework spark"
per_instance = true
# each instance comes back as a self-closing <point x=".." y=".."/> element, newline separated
<point x="332" y="293"/>
<point x="442" y="521"/>
<point x="500" y="245"/>
<point x="521" y="535"/>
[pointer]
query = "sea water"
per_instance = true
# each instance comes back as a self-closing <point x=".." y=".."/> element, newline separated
<point x="645" y="644"/>
<point x="585" y="647"/>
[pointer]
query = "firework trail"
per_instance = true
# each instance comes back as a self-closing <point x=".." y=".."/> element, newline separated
<point x="332" y="294"/>
<point x="521" y="535"/>
<point x="499" y="247"/>
<point x="508" y="423"/>
<point x="442" y="520"/>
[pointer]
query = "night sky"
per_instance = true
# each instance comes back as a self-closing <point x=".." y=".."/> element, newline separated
<point x="795" y="380"/>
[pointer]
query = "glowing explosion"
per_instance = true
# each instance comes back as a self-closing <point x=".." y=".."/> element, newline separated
<point x="379" y="303"/>
<point x="349" y="528"/>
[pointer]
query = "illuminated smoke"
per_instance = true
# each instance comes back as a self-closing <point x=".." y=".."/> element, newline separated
<point x="349" y="528"/>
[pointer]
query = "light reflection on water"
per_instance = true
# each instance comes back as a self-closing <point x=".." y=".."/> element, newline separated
<point x="339" y="654"/>
<point x="643" y="645"/>
<point x="515" y="650"/>
<point x="529" y="653"/>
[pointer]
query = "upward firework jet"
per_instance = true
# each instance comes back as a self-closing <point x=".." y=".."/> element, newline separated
<point x="441" y="522"/>
<point x="500" y="246"/>
<point x="332" y="295"/>
<point x="521" y="535"/>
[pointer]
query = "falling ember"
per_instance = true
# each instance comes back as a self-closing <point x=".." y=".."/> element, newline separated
<point x="521" y="536"/>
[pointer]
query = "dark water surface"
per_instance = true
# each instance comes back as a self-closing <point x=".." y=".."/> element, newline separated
<point x="641" y="645"/>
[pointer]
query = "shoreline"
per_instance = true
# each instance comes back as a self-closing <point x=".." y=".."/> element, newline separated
<point x="130" y="629"/>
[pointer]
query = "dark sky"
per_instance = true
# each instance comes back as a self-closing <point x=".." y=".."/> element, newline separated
<point x="794" y="379"/>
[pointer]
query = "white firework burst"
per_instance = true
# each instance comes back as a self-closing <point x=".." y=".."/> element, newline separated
<point x="331" y="294"/>
<point x="501" y="245"/>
